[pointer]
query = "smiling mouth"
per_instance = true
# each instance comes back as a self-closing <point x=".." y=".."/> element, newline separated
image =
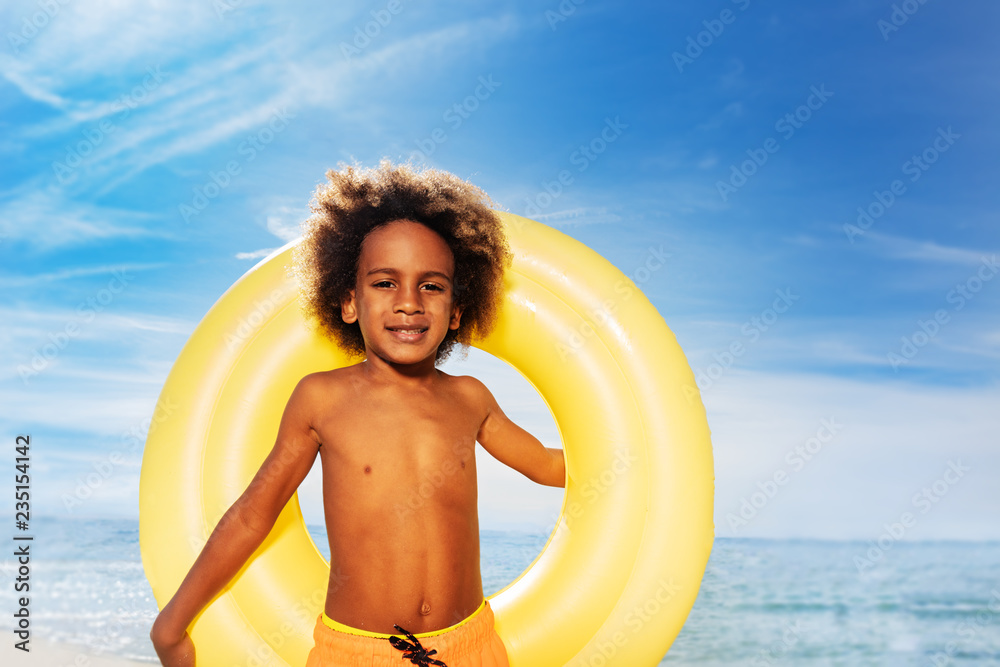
<point x="406" y="331"/>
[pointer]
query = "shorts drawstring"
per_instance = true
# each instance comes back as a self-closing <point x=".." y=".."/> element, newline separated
<point x="414" y="652"/>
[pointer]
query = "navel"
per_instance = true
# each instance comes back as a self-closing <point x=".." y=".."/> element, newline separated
<point x="425" y="609"/>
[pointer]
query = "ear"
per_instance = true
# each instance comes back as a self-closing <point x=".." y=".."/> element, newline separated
<point x="348" y="309"/>
<point x="456" y="317"/>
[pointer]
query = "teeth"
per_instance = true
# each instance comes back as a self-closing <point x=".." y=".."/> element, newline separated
<point x="408" y="331"/>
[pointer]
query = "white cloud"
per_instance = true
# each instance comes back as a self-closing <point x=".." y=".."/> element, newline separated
<point x="895" y="439"/>
<point x="55" y="345"/>
<point x="220" y="82"/>
<point x="280" y="226"/>
<point x="45" y="219"/>
<point x="70" y="274"/>
<point x="393" y="57"/>
<point x="898" y="247"/>
<point x="32" y="86"/>
<point x="89" y="39"/>
<point x="101" y="402"/>
<point x="578" y="216"/>
<point x="729" y="114"/>
<point x="256" y="254"/>
<point x="282" y="219"/>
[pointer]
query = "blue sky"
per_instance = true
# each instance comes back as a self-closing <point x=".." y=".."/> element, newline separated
<point x="746" y="137"/>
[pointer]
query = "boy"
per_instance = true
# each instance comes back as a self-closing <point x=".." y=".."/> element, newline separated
<point x="399" y="266"/>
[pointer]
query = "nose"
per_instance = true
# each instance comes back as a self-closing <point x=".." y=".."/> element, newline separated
<point x="408" y="300"/>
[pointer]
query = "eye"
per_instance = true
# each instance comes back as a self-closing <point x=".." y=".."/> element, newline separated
<point x="383" y="283"/>
<point x="432" y="286"/>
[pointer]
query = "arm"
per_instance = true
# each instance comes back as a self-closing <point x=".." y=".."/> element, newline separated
<point x="513" y="446"/>
<point x="242" y="528"/>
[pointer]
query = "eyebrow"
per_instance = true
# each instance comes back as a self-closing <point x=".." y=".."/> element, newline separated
<point x="425" y="274"/>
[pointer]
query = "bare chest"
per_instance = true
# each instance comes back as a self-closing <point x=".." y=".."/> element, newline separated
<point x="379" y="434"/>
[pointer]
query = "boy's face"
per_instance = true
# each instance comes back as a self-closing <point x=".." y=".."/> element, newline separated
<point x="403" y="299"/>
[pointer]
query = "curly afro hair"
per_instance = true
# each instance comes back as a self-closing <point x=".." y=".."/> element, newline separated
<point x="357" y="201"/>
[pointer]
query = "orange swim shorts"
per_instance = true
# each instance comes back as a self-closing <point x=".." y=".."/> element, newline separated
<point x="470" y="643"/>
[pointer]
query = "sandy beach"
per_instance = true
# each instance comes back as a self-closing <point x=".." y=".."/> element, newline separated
<point x="46" y="654"/>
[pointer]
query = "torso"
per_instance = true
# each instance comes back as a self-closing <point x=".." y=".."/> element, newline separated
<point x="400" y="497"/>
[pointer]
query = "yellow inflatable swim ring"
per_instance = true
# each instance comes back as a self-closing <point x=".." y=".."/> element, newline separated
<point x="619" y="574"/>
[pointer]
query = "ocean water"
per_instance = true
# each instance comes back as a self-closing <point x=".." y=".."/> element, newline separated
<point x="762" y="602"/>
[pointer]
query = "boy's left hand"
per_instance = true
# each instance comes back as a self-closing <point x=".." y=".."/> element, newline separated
<point x="173" y="650"/>
<point x="180" y="654"/>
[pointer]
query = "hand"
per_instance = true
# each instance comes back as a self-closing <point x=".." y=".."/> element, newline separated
<point x="174" y="650"/>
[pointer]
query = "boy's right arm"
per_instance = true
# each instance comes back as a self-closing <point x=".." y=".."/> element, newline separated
<point x="243" y="527"/>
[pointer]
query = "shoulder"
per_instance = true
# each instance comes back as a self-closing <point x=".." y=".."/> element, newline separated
<point x="316" y="396"/>
<point x="465" y="384"/>
<point x="474" y="394"/>
<point x="322" y="387"/>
